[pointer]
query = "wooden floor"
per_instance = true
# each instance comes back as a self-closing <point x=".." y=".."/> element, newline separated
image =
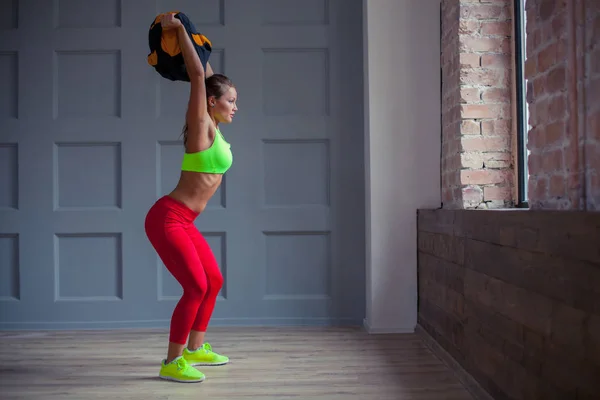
<point x="266" y="363"/>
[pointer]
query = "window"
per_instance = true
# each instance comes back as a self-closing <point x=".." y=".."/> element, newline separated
<point x="522" y="107"/>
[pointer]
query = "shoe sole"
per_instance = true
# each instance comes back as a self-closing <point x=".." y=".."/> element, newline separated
<point x="208" y="364"/>
<point x="168" y="378"/>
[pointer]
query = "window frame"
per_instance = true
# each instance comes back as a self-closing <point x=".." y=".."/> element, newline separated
<point x="522" y="111"/>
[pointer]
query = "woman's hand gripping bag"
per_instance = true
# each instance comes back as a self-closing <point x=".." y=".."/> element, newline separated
<point x="165" y="54"/>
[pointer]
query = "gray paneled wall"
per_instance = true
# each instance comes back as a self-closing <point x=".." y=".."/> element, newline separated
<point x="90" y="138"/>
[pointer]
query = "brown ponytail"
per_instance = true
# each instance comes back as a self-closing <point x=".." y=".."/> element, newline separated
<point x="216" y="86"/>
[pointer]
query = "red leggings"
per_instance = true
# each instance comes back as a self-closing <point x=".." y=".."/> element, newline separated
<point x="183" y="250"/>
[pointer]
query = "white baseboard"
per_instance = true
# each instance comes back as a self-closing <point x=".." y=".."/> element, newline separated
<point x="387" y="329"/>
<point x="164" y="324"/>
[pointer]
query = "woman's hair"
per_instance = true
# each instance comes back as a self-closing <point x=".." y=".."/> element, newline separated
<point x="216" y="85"/>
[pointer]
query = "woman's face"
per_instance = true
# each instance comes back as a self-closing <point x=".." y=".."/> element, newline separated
<point x="224" y="107"/>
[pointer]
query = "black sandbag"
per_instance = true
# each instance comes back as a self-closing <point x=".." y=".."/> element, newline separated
<point x="165" y="54"/>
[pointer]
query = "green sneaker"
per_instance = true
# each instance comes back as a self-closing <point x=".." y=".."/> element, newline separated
<point x="204" y="356"/>
<point x="179" y="370"/>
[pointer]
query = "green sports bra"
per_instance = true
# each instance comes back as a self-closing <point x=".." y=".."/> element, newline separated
<point x="215" y="160"/>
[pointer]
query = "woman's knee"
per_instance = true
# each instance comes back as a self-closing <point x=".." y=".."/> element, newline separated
<point x="196" y="289"/>
<point x="215" y="282"/>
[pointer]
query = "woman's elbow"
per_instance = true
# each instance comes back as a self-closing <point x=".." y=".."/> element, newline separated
<point x="197" y="76"/>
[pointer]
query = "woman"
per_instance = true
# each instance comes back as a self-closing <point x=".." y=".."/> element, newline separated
<point x="170" y="222"/>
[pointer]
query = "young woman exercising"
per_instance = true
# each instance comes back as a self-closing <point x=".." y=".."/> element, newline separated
<point x="170" y="222"/>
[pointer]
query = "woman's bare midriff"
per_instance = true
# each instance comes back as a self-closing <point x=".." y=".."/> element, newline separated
<point x="195" y="189"/>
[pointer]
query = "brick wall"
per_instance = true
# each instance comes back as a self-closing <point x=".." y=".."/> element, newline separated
<point x="591" y="105"/>
<point x="563" y="92"/>
<point x="514" y="300"/>
<point x="451" y="114"/>
<point x="477" y="162"/>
